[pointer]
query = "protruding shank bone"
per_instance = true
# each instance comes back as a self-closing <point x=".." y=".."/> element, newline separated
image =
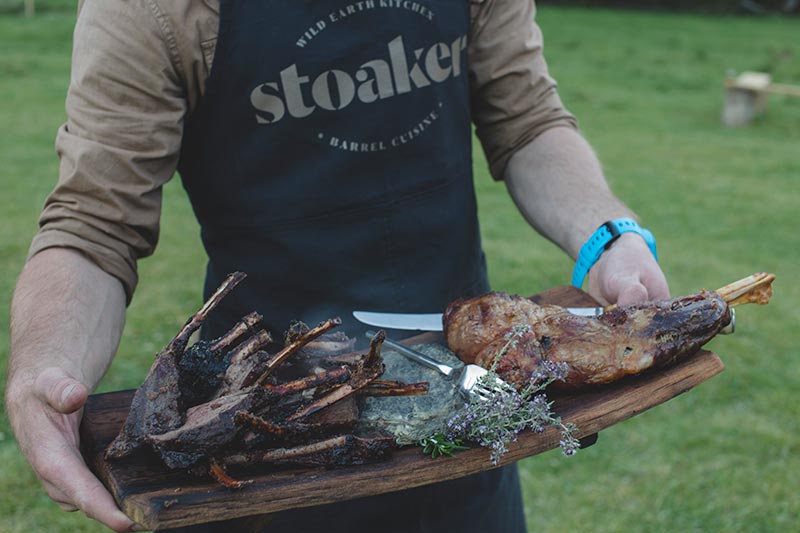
<point x="755" y="288"/>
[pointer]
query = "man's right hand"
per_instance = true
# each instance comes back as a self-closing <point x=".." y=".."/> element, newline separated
<point x="45" y="413"/>
<point x="67" y="316"/>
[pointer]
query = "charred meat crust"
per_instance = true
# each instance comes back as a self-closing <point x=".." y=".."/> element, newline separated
<point x="623" y="340"/>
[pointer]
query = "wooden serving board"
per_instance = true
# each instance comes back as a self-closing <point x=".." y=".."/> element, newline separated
<point x="156" y="497"/>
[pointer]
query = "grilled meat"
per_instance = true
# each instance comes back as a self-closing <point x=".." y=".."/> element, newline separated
<point x="204" y="364"/>
<point x="158" y="405"/>
<point x="212" y="425"/>
<point x="624" y="340"/>
<point x="155" y="409"/>
<point x="337" y="419"/>
<point x="208" y="427"/>
<point x="470" y="324"/>
<point x="203" y="404"/>
<point x="518" y="335"/>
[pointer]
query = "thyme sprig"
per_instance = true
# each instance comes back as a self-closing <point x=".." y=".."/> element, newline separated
<point x="495" y="419"/>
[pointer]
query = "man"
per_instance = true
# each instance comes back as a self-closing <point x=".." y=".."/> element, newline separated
<point x="326" y="149"/>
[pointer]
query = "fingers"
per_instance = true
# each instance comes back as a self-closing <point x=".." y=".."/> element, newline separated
<point x="622" y="288"/>
<point x="47" y="415"/>
<point x="627" y="289"/>
<point x="631" y="293"/>
<point x="627" y="274"/>
<point x="657" y="287"/>
<point x="68" y="507"/>
<point x="62" y="392"/>
<point x="95" y="502"/>
<point x="67" y="481"/>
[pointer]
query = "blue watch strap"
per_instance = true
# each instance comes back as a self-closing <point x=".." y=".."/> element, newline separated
<point x="601" y="240"/>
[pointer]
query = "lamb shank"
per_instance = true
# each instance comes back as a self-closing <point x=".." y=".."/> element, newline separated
<point x="515" y="335"/>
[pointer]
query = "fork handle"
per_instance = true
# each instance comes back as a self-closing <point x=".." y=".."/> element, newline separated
<point x="415" y="355"/>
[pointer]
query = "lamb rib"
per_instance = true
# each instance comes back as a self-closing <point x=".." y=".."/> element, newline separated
<point x="239" y="329"/>
<point x="204" y="364"/>
<point x="157" y="404"/>
<point x="383" y="388"/>
<point x="333" y="451"/>
<point x="336" y="419"/>
<point x="296" y="344"/>
<point x="247" y="363"/>
<point x="203" y="402"/>
<point x="212" y="425"/>
<point x="207" y="428"/>
<point x="371" y="369"/>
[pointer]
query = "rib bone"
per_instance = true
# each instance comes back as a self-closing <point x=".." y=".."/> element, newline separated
<point x="375" y="347"/>
<point x="250" y="346"/>
<point x="181" y="339"/>
<point x="342" y="449"/>
<point x="218" y="473"/>
<point x="296" y="344"/>
<point x="381" y="388"/>
<point x="358" y="382"/>
<point x="337" y="419"/>
<point x="337" y="375"/>
<point x="241" y="327"/>
<point x="156" y="405"/>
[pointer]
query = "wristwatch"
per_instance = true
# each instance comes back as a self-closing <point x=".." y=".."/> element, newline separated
<point x="602" y="239"/>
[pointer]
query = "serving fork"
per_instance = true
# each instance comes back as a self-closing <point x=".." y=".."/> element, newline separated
<point x="466" y="378"/>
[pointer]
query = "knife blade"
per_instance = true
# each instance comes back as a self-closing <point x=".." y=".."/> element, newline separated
<point x="433" y="321"/>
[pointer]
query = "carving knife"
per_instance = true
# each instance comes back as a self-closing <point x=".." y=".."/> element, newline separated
<point x="433" y="321"/>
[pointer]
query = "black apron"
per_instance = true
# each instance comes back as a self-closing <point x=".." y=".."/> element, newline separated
<point x="330" y="159"/>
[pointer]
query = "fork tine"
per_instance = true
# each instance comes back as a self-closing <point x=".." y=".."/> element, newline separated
<point x="466" y="378"/>
<point x="482" y="393"/>
<point x="484" y="390"/>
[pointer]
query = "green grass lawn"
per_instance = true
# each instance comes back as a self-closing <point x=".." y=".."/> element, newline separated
<point x="647" y="89"/>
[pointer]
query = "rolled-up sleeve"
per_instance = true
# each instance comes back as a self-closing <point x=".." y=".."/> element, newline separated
<point x="120" y="144"/>
<point x="514" y="99"/>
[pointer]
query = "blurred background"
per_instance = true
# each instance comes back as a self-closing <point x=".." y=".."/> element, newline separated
<point x="649" y="83"/>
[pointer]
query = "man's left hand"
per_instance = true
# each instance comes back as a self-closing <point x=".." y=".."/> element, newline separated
<point x="627" y="273"/>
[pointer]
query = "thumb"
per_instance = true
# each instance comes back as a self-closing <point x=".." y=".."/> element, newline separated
<point x="61" y="391"/>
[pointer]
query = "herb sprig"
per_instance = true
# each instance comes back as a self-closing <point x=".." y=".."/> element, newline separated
<point x="438" y="445"/>
<point x="494" y="420"/>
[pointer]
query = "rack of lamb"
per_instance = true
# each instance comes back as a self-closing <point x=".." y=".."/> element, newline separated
<point x="216" y="404"/>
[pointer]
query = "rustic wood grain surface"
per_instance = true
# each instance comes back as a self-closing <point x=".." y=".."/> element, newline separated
<point x="159" y="498"/>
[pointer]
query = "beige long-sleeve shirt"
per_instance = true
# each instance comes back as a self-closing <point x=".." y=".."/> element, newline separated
<point x="139" y="69"/>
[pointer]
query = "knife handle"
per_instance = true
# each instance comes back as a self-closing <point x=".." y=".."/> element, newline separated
<point x="414" y="355"/>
